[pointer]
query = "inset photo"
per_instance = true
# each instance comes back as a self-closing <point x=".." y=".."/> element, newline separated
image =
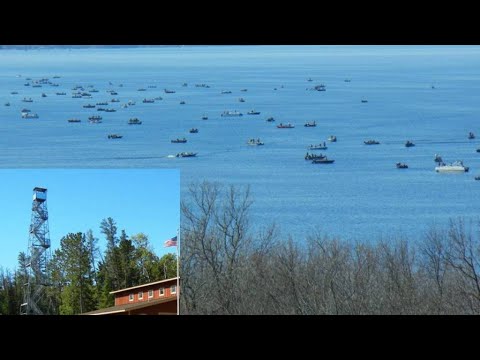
<point x="89" y="241"/>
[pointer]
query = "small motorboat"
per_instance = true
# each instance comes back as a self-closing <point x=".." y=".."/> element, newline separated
<point x="401" y="165"/>
<point x="371" y="142"/>
<point x="471" y="135"/>
<point x="409" y="144"/>
<point x="332" y="138"/>
<point x="179" y="141"/>
<point x="310" y="124"/>
<point x="114" y="136"/>
<point x="193" y="131"/>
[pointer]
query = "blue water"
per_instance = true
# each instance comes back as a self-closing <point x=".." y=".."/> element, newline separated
<point x="361" y="196"/>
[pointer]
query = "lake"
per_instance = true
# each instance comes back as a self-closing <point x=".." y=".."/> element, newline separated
<point x="426" y="94"/>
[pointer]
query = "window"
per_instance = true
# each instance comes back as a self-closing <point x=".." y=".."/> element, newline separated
<point x="150" y="294"/>
<point x="140" y="295"/>
<point x="161" y="292"/>
<point x="173" y="289"/>
<point x="130" y="297"/>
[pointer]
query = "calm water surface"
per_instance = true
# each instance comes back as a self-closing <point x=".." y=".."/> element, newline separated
<point x="362" y="195"/>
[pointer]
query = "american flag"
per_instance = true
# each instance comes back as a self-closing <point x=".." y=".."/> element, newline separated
<point x="171" y="242"/>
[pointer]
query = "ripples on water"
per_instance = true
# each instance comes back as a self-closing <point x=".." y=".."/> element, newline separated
<point x="362" y="195"/>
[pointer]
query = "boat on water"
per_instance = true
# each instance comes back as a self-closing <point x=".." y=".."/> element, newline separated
<point x="44" y="95"/>
<point x="371" y="142"/>
<point x="74" y="120"/>
<point x="254" y="142"/>
<point x="184" y="84"/>
<point x="179" y="141"/>
<point x="318" y="147"/>
<point x="471" y="135"/>
<point x="131" y="102"/>
<point x="253" y="112"/>
<point x="231" y="113"/>
<point x="226" y="92"/>
<point x="89" y="106"/>
<point x="7" y="104"/>
<point x="310" y="124"/>
<point x="320" y="87"/>
<point x="148" y="101"/>
<point x="477" y="177"/>
<point x="193" y="131"/>
<point x="401" y="165"/>
<point x="323" y="161"/>
<point x="347" y="80"/>
<point x="182" y="102"/>
<point x="29" y="116"/>
<point x="364" y="101"/>
<point x="114" y="136"/>
<point x="110" y="110"/>
<point x="14" y="92"/>
<point x="244" y="90"/>
<point x="27" y="100"/>
<point x="204" y="117"/>
<point x="285" y="126"/>
<point x="478" y="150"/>
<point x="456" y="166"/>
<point x="61" y="93"/>
<point x="169" y="91"/>
<point x="270" y="119"/>
<point x="156" y="98"/>
<point x="115" y="100"/>
<point x="134" y="121"/>
<point x="186" y="154"/>
<point x="142" y="89"/>
<point x="309" y="79"/>
<point x="409" y="144"/>
<point x="332" y="138"/>
<point x="309" y="156"/>
<point x="241" y="100"/>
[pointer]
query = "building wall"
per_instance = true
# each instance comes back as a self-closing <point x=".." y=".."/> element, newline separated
<point x="123" y="297"/>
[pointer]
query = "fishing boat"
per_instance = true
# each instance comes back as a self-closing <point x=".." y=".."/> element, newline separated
<point x="74" y="120"/>
<point x="231" y="113"/>
<point x="29" y="116"/>
<point x="253" y="112"/>
<point x="179" y="141"/>
<point x="270" y="119"/>
<point x="401" y="165"/>
<point x="204" y="117"/>
<point x="89" y="106"/>
<point x="186" y="154"/>
<point x="309" y="156"/>
<point x="456" y="166"/>
<point x="27" y="100"/>
<point x="44" y="95"/>
<point x="148" y="101"/>
<point x="323" y="161"/>
<point x="241" y="100"/>
<point x="409" y="144"/>
<point x="318" y="147"/>
<point x="182" y="102"/>
<point x="310" y="124"/>
<point x="7" y="104"/>
<point x="332" y="138"/>
<point x="134" y="121"/>
<point x="114" y="136"/>
<point x="471" y="135"/>
<point x="285" y="126"/>
<point x="254" y="142"/>
<point x="364" y="101"/>
<point x="371" y="142"/>
<point x="169" y="91"/>
<point x="193" y="131"/>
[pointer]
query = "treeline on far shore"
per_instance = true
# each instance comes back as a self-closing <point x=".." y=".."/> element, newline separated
<point x="81" y="276"/>
<point x="227" y="268"/>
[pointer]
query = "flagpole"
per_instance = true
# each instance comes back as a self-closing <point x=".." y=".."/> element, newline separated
<point x="178" y="272"/>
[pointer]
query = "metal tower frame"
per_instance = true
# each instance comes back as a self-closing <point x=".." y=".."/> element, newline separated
<point x="35" y="301"/>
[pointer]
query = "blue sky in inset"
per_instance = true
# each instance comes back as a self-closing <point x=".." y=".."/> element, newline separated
<point x="139" y="200"/>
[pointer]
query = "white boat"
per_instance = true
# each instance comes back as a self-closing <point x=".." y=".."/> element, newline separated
<point x="456" y="166"/>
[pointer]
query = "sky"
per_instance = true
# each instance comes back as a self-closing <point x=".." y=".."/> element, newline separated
<point x="139" y="200"/>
